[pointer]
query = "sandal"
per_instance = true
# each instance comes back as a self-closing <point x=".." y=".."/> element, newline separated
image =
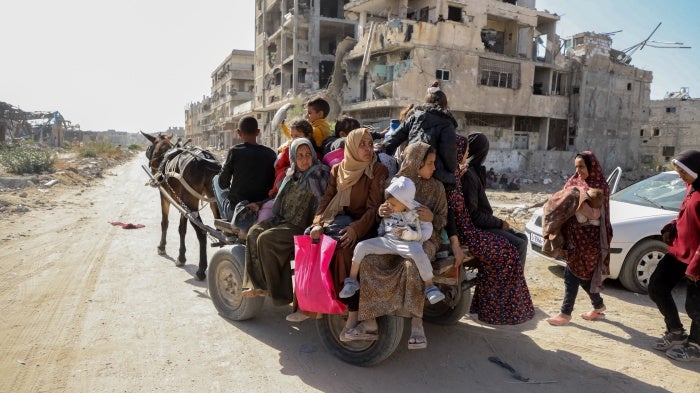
<point x="594" y="314"/>
<point x="253" y="292"/>
<point x="559" y="320"/>
<point x="358" y="333"/>
<point x="417" y="340"/>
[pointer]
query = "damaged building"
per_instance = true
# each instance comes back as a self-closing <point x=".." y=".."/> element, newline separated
<point x="674" y="126"/>
<point x="505" y="74"/>
<point x="211" y="122"/>
<point x="504" y="69"/>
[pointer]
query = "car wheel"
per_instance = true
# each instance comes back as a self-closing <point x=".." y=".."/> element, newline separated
<point x="641" y="263"/>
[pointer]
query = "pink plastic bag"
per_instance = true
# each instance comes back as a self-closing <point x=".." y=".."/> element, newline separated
<point x="313" y="282"/>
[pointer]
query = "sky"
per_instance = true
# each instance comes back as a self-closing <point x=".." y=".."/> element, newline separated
<point x="136" y="65"/>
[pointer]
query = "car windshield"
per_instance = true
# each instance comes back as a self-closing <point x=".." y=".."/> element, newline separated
<point x="663" y="191"/>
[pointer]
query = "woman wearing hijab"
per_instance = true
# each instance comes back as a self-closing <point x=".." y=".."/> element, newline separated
<point x="270" y="243"/>
<point x="474" y="190"/>
<point x="681" y="263"/>
<point x="348" y="209"/>
<point x="388" y="285"/>
<point x="586" y="246"/>
<point x="501" y="296"/>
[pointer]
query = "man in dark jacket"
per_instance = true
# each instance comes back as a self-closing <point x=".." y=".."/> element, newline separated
<point x="433" y="124"/>
<point x="248" y="173"/>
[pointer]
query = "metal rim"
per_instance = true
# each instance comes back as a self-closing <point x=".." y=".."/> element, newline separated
<point x="227" y="285"/>
<point x="646" y="266"/>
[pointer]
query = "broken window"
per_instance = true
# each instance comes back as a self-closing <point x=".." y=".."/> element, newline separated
<point x="443" y="75"/>
<point x="657" y="132"/>
<point x="498" y="73"/>
<point x="557" y="138"/>
<point x="669" y="151"/>
<point x="492" y="40"/>
<point x="420" y="15"/>
<point x="641" y="132"/>
<point x="454" y="14"/>
<point x="671" y="109"/>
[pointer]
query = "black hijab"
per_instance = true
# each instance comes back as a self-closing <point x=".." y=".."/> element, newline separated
<point x="478" y="149"/>
<point x="690" y="160"/>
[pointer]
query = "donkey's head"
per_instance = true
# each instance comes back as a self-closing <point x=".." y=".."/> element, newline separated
<point x="160" y="144"/>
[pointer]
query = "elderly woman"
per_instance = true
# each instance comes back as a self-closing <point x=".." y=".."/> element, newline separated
<point x="586" y="246"/>
<point x="270" y="243"/>
<point x="348" y="209"/>
<point x="380" y="294"/>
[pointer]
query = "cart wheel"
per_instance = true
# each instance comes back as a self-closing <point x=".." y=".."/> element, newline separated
<point x="225" y="282"/>
<point x="361" y="353"/>
<point x="442" y="314"/>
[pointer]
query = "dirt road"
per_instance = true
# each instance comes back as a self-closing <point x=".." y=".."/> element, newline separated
<point x="90" y="307"/>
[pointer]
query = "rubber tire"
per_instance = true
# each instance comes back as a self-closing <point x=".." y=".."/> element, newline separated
<point x="225" y="283"/>
<point x="640" y="263"/>
<point x="441" y="314"/>
<point x="361" y="353"/>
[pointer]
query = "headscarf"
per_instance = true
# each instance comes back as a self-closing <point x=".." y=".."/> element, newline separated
<point x="596" y="179"/>
<point x="689" y="161"/>
<point x="413" y="158"/>
<point x="314" y="179"/>
<point x="478" y="149"/>
<point x="350" y="170"/>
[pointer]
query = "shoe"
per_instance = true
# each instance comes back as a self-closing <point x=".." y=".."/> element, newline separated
<point x="669" y="340"/>
<point x="350" y="288"/>
<point x="559" y="320"/>
<point x="434" y="295"/>
<point x="688" y="353"/>
<point x="594" y="314"/>
<point x="358" y="333"/>
<point x="297" y="317"/>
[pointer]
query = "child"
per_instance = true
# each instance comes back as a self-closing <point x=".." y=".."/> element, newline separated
<point x="316" y="111"/>
<point x="589" y="211"/>
<point x="402" y="234"/>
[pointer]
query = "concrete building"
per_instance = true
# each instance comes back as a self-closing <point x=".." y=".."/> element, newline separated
<point x="211" y="122"/>
<point x="501" y="67"/>
<point x="674" y="126"/>
<point x="295" y="48"/>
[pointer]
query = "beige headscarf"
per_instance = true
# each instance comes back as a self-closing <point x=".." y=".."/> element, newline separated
<point x="350" y="170"/>
<point x="413" y="158"/>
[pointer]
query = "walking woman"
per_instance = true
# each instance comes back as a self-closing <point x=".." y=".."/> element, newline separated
<point x="586" y="246"/>
<point x="681" y="263"/>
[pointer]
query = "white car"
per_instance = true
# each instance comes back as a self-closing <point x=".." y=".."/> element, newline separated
<point x="637" y="214"/>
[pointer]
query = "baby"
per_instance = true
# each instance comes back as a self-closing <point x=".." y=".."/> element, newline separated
<point x="402" y="234"/>
<point x="589" y="211"/>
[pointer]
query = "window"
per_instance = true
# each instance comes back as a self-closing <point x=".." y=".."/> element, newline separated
<point x="657" y="132"/>
<point x="498" y="73"/>
<point x="454" y="14"/>
<point x="442" y="75"/>
<point x="669" y="151"/>
<point x="671" y="109"/>
<point x="641" y="132"/>
<point x="521" y="141"/>
<point x="629" y="86"/>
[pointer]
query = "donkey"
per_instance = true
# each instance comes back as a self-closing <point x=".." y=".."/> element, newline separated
<point x="186" y="174"/>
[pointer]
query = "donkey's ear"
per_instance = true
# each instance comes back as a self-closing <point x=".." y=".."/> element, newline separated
<point x="149" y="137"/>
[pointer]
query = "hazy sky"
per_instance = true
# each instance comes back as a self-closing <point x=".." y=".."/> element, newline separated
<point x="135" y="65"/>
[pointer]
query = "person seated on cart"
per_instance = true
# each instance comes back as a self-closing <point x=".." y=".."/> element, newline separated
<point x="355" y="191"/>
<point x="386" y="284"/>
<point x="248" y="173"/>
<point x="270" y="243"/>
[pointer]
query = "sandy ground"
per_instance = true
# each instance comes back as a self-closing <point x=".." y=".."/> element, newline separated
<point x="90" y="307"/>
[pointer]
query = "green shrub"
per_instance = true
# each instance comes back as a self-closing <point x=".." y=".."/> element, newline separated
<point x="98" y="149"/>
<point x="27" y="158"/>
<point x="135" y="147"/>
